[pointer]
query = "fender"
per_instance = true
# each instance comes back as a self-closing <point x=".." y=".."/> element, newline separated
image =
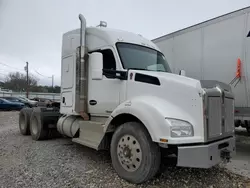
<point x="151" y="111"/>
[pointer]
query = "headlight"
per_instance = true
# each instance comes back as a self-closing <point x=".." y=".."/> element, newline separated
<point x="180" y="128"/>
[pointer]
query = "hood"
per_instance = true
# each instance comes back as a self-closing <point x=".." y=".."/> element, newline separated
<point x="187" y="81"/>
<point x="173" y="78"/>
<point x="174" y="96"/>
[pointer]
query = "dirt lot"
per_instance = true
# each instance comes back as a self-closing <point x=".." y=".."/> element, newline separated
<point x="241" y="162"/>
<point x="61" y="163"/>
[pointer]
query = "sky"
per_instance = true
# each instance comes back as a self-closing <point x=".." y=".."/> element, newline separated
<point x="31" y="30"/>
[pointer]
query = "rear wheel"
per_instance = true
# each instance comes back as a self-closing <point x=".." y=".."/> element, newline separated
<point x="134" y="156"/>
<point x="37" y="129"/>
<point x="24" y="121"/>
<point x="248" y="130"/>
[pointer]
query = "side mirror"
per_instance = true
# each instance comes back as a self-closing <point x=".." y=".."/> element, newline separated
<point x="182" y="73"/>
<point x="96" y="65"/>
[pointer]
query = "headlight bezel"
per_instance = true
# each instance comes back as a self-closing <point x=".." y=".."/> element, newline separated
<point x="180" y="128"/>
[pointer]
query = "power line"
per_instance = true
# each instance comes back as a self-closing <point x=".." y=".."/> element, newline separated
<point x="5" y="70"/>
<point x="12" y="73"/>
<point x="22" y="71"/>
<point x="41" y="74"/>
<point x="10" y="66"/>
<point x="32" y="68"/>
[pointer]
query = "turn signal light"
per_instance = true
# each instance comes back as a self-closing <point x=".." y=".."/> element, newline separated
<point x="163" y="140"/>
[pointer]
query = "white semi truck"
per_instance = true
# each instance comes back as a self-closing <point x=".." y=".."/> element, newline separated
<point x="118" y="93"/>
<point x="217" y="49"/>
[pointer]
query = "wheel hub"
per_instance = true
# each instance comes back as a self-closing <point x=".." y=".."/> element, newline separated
<point x="129" y="153"/>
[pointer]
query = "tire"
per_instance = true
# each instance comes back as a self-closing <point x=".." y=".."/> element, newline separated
<point x="248" y="130"/>
<point x="53" y="133"/>
<point x="37" y="129"/>
<point x="24" y="121"/>
<point x="145" y="160"/>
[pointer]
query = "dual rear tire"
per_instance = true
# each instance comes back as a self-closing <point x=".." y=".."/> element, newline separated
<point x="24" y="121"/>
<point x="31" y="122"/>
<point x="37" y="128"/>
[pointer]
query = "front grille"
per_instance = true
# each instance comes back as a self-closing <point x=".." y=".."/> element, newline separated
<point x="214" y="117"/>
<point x="219" y="114"/>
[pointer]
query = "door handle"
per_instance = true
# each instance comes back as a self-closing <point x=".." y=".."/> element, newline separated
<point x="92" y="102"/>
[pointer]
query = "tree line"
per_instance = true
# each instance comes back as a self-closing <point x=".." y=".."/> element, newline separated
<point x="17" y="81"/>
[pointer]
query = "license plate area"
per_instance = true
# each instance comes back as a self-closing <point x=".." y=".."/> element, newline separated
<point x="225" y="155"/>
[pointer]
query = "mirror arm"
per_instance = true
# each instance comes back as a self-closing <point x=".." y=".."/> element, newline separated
<point x="112" y="73"/>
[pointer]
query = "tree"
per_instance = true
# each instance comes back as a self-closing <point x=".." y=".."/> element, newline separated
<point x="1" y="84"/>
<point x="57" y="89"/>
<point x="18" y="81"/>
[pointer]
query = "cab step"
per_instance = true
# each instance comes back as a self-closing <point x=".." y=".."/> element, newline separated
<point x="91" y="134"/>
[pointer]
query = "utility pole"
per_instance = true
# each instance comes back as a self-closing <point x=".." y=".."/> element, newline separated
<point x="52" y="83"/>
<point x="26" y="68"/>
<point x="53" y="86"/>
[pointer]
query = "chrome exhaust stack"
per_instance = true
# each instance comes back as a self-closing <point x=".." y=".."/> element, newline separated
<point x="82" y="90"/>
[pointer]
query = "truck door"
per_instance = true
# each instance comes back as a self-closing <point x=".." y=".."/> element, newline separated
<point x="103" y="95"/>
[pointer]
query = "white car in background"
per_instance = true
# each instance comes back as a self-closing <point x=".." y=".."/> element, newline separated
<point x="34" y="103"/>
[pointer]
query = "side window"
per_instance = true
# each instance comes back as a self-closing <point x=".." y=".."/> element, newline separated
<point x="108" y="63"/>
<point x="108" y="59"/>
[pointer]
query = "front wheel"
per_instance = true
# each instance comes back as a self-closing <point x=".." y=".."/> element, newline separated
<point x="248" y="130"/>
<point x="134" y="156"/>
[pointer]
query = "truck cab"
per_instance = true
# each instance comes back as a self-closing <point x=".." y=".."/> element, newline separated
<point x="121" y="51"/>
<point x="118" y="93"/>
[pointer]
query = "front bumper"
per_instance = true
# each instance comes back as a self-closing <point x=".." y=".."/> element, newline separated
<point x="206" y="156"/>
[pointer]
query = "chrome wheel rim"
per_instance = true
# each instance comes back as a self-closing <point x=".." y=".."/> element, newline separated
<point x="129" y="153"/>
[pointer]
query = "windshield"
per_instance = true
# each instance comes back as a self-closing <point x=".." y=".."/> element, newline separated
<point x="23" y="98"/>
<point x="140" y="57"/>
<point x="4" y="100"/>
<point x="19" y="99"/>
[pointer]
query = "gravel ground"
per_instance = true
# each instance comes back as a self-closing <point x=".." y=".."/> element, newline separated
<point x="61" y="163"/>
<point x="241" y="162"/>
